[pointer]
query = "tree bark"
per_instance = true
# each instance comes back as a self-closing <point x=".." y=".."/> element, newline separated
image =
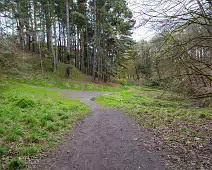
<point x="95" y="42"/>
<point x="68" y="39"/>
<point x="52" y="49"/>
<point x="35" y="28"/>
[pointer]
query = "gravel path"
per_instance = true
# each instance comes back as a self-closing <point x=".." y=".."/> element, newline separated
<point x="105" y="140"/>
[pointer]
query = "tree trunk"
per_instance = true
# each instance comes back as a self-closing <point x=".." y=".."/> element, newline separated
<point x="55" y="43"/>
<point x="87" y="52"/>
<point x="52" y="49"/>
<point x="21" y="27"/>
<point x="95" y="42"/>
<point x="82" y="51"/>
<point x="68" y="39"/>
<point x="35" y="29"/>
<point x="41" y="58"/>
<point x="59" y="45"/>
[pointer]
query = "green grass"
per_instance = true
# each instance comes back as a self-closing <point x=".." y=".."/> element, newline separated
<point x="27" y="70"/>
<point x="174" y="118"/>
<point x="17" y="164"/>
<point x="52" y="80"/>
<point x="32" y="120"/>
<point x="92" y="87"/>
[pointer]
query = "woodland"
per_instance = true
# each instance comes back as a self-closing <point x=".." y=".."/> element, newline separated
<point x="165" y="80"/>
<point x="95" y="37"/>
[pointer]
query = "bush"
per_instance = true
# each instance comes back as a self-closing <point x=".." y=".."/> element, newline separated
<point x="154" y="84"/>
<point x="45" y="52"/>
<point x="122" y="81"/>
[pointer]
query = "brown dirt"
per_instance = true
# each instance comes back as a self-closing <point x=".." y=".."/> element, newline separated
<point x="106" y="140"/>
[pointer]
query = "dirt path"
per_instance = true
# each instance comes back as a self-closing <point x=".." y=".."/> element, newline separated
<point x="106" y="140"/>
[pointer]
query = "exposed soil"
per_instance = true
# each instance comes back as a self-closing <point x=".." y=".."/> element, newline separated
<point x="105" y="140"/>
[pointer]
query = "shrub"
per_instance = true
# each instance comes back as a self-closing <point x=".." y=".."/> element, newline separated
<point x="45" y="52"/>
<point x="122" y="81"/>
<point x="154" y="84"/>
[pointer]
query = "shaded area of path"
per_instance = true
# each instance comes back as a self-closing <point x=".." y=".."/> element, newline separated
<point x="105" y="140"/>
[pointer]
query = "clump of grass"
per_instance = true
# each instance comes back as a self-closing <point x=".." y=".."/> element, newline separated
<point x="28" y="151"/>
<point x="33" y="119"/>
<point x="202" y="115"/>
<point x="101" y="88"/>
<point x="4" y="151"/>
<point x="25" y="102"/>
<point x="17" y="164"/>
<point x="12" y="138"/>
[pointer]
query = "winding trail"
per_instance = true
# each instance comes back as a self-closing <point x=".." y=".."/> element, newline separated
<point x="105" y="140"/>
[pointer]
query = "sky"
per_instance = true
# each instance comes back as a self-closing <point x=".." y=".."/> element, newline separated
<point x="141" y="32"/>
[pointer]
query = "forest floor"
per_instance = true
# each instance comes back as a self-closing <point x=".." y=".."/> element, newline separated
<point x="107" y="139"/>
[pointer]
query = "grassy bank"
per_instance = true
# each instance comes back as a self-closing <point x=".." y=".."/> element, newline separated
<point x="32" y="120"/>
<point x="183" y="128"/>
<point x="27" y="70"/>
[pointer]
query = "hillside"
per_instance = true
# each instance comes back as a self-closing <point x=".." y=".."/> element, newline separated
<point x="26" y="69"/>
